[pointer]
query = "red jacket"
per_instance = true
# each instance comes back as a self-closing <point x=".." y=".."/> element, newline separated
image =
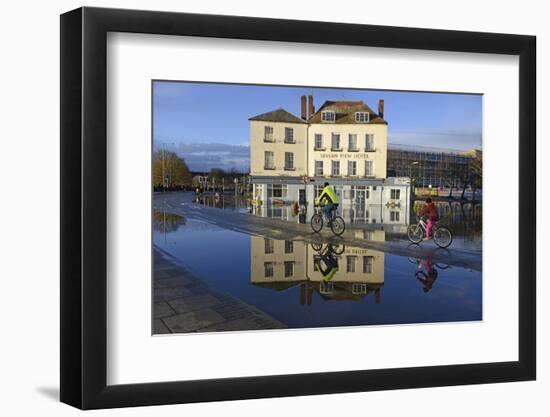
<point x="430" y="211"/>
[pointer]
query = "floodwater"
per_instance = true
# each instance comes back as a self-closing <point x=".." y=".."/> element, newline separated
<point x="464" y="219"/>
<point x="304" y="285"/>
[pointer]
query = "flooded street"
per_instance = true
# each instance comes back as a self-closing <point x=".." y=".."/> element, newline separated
<point x="305" y="284"/>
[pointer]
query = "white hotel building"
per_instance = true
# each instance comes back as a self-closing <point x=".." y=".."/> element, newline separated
<point x="344" y="143"/>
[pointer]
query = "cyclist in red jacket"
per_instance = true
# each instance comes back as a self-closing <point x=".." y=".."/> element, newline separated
<point x="430" y="211"/>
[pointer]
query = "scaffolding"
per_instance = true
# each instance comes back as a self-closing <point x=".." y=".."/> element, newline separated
<point x="430" y="166"/>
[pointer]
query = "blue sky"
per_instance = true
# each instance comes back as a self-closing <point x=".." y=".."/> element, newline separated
<point x="207" y="124"/>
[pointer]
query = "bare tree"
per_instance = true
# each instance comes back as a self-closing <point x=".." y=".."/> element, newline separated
<point x="169" y="170"/>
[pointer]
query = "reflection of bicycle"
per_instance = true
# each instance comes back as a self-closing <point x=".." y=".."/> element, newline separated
<point x="428" y="275"/>
<point x="336" y="249"/>
<point x="418" y="263"/>
<point x="442" y="235"/>
<point x="336" y="224"/>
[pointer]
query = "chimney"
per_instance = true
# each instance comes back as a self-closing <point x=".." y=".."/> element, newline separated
<point x="304" y="111"/>
<point x="381" y="108"/>
<point x="311" y="108"/>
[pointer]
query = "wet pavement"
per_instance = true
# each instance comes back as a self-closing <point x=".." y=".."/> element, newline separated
<point x="374" y="236"/>
<point x="260" y="273"/>
<point x="184" y="303"/>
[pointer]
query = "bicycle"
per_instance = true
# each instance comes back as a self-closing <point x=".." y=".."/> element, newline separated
<point x="442" y="236"/>
<point x="337" y="224"/>
<point x="418" y="263"/>
<point x="336" y="249"/>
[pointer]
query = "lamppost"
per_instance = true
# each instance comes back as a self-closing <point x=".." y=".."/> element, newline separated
<point x="410" y="173"/>
<point x="304" y="179"/>
<point x="164" y="176"/>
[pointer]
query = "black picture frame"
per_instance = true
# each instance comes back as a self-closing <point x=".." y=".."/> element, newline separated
<point x="84" y="207"/>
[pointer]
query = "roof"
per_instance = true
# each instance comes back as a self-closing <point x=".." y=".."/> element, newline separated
<point x="279" y="115"/>
<point x="345" y="112"/>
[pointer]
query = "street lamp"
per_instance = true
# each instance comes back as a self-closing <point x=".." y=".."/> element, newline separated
<point x="410" y="170"/>
<point x="164" y="176"/>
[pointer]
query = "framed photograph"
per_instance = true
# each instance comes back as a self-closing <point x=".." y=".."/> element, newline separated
<point x="257" y="208"/>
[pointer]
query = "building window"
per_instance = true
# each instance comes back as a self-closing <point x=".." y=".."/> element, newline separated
<point x="352" y="168"/>
<point x="350" y="263"/>
<point x="367" y="264"/>
<point x="289" y="161"/>
<point x="318" y="190"/>
<point x="316" y="260"/>
<point x="352" y="142"/>
<point x="369" y="142"/>
<point x="276" y="190"/>
<point x="269" y="160"/>
<point x="289" y="246"/>
<point x="362" y="116"/>
<point x="335" y="168"/>
<point x="275" y="212"/>
<point x="336" y="142"/>
<point x="394" y="216"/>
<point x="358" y="288"/>
<point x="326" y="287"/>
<point x="318" y="142"/>
<point x="349" y="194"/>
<point x="369" y="169"/>
<point x="328" y="116"/>
<point x="319" y="168"/>
<point x="268" y="134"/>
<point x="269" y="246"/>
<point x="289" y="269"/>
<point x="289" y="135"/>
<point x="395" y="194"/>
<point x="268" y="269"/>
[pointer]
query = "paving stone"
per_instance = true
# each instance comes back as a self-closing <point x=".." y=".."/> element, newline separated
<point x="179" y="281"/>
<point x="167" y="294"/>
<point x="192" y="321"/>
<point x="159" y="327"/>
<point x="194" y="302"/>
<point x="160" y="274"/>
<point x="161" y="310"/>
<point x="248" y="323"/>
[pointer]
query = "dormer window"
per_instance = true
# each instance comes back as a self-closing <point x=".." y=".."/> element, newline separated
<point x="328" y="116"/>
<point x="362" y="117"/>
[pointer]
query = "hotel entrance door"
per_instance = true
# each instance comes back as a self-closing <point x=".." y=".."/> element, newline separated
<point x="360" y="195"/>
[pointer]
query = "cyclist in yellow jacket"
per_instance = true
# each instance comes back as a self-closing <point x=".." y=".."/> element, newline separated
<point x="329" y="199"/>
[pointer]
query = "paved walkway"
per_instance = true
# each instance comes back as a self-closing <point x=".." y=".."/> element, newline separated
<point x="184" y="303"/>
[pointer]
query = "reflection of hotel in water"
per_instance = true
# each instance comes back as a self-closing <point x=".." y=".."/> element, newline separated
<point x="279" y="265"/>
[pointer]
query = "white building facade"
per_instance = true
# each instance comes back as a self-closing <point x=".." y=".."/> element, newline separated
<point x="343" y="143"/>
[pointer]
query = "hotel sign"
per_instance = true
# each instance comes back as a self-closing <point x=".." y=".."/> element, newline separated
<point x="345" y="155"/>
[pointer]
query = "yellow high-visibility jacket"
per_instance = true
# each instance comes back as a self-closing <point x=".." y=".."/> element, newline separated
<point x="329" y="194"/>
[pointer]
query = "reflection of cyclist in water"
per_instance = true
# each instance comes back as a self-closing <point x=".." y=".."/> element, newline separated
<point x="330" y="201"/>
<point x="428" y="277"/>
<point x="328" y="264"/>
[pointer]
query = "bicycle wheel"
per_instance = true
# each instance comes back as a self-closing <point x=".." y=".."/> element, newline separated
<point x="338" y="249"/>
<point x="316" y="222"/>
<point x="317" y="247"/>
<point x="338" y="226"/>
<point x="415" y="233"/>
<point x="443" y="237"/>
